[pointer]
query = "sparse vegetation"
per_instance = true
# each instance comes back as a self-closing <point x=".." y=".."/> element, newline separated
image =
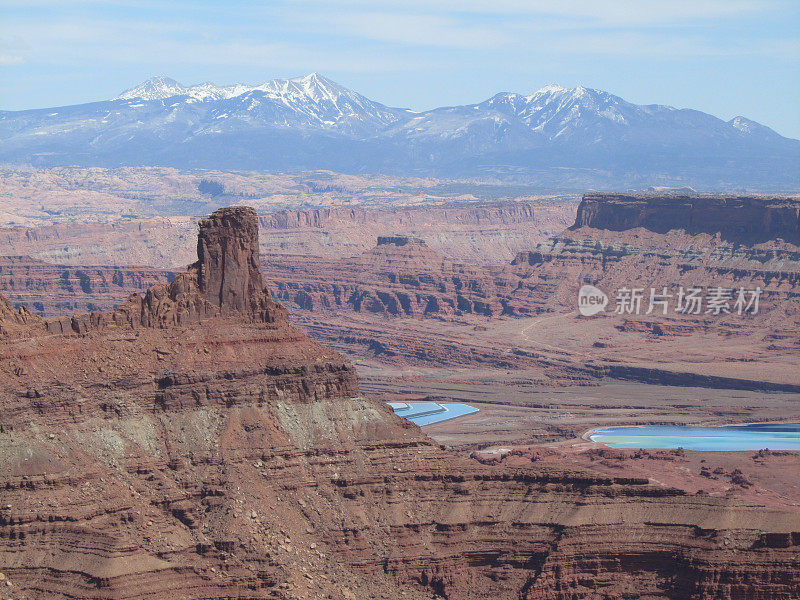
<point x="209" y="187"/>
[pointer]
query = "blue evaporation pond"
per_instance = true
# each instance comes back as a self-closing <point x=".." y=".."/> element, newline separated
<point x="428" y="413"/>
<point x="753" y="436"/>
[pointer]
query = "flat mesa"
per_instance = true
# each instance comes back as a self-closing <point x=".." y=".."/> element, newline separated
<point x="754" y="436"/>
<point x="428" y="413"/>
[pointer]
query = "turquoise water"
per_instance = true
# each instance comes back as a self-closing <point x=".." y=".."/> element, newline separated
<point x="428" y="413"/>
<point x="754" y="436"/>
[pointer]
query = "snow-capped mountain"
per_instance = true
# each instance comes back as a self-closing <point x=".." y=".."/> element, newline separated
<point x="556" y="111"/>
<point x="155" y="88"/>
<point x="310" y="101"/>
<point x="161" y="88"/>
<point x="556" y="136"/>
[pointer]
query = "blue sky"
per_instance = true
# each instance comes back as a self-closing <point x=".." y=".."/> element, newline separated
<point x="725" y="57"/>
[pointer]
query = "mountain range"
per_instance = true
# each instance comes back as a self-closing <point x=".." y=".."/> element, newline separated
<point x="556" y="137"/>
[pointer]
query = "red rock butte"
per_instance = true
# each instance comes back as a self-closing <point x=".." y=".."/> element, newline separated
<point x="744" y="219"/>
<point x="194" y="444"/>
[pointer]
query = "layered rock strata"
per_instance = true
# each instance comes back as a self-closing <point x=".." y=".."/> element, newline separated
<point x="194" y="444"/>
<point x="351" y="303"/>
<point x="400" y="277"/>
<point x="51" y="290"/>
<point x="738" y="219"/>
<point x="642" y="241"/>
<point x="485" y="232"/>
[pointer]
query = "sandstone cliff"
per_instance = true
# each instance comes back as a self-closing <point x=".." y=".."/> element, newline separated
<point x="51" y="290"/>
<point x="225" y="280"/>
<point x="486" y="232"/>
<point x="380" y="303"/>
<point x="194" y="444"/>
<point x="736" y="218"/>
<point x="644" y="241"/>
<point x="400" y="277"/>
<point x="669" y="242"/>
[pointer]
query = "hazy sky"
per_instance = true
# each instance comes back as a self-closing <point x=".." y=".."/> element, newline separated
<point x="725" y="57"/>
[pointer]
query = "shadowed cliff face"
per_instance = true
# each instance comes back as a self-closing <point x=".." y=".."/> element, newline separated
<point x="737" y="219"/>
<point x="400" y="277"/>
<point x="51" y="290"/>
<point x="194" y="444"/>
<point x="227" y="250"/>
<point x="651" y="241"/>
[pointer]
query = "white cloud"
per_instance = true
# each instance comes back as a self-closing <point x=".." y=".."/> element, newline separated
<point x="10" y="59"/>
<point x="73" y="44"/>
<point x="12" y="51"/>
<point x="599" y="12"/>
<point x="618" y="27"/>
<point x="415" y="29"/>
<point x="304" y="35"/>
<point x="668" y="45"/>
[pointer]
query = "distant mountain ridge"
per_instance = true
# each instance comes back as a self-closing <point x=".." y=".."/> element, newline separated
<point x="310" y="101"/>
<point x="555" y="137"/>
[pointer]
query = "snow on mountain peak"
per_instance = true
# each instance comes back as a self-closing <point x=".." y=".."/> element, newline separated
<point x="314" y="101"/>
<point x="552" y="88"/>
<point x="312" y="86"/>
<point x="558" y="112"/>
<point x="311" y="100"/>
<point x="556" y="90"/>
<point x="317" y="123"/>
<point x="751" y="127"/>
<point x="155" y="88"/>
<point x="745" y="125"/>
<point x="315" y="79"/>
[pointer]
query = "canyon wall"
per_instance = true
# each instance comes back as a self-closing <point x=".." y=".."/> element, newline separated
<point x="353" y="303"/>
<point x="480" y="233"/>
<point x="400" y="277"/>
<point x="650" y="241"/>
<point x="163" y="243"/>
<point x="736" y="218"/>
<point x="402" y="301"/>
<point x="51" y="290"/>
<point x="485" y="232"/>
<point x="194" y="444"/>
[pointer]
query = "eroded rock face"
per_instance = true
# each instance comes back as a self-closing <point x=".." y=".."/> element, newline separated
<point x="485" y="233"/>
<point x="657" y="243"/>
<point x="616" y="243"/>
<point x="229" y="275"/>
<point x="15" y="321"/>
<point x="400" y="277"/>
<point x="736" y="218"/>
<point x="225" y="280"/>
<point x="194" y="445"/>
<point x="51" y="290"/>
<point x="351" y="303"/>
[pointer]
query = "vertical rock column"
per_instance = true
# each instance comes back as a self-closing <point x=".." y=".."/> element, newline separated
<point x="227" y="251"/>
